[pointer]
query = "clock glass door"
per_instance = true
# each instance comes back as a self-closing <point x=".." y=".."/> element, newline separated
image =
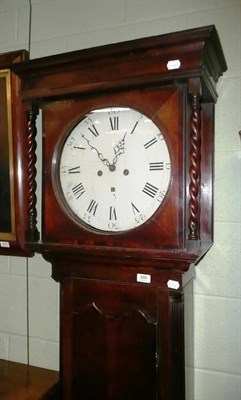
<point x="113" y="169"/>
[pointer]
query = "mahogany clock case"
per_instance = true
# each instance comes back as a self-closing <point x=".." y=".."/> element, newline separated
<point x="122" y="337"/>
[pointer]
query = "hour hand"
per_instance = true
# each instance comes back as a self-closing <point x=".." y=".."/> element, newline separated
<point x="119" y="149"/>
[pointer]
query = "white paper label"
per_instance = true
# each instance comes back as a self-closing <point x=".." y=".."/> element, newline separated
<point x="5" y="244"/>
<point x="143" y="278"/>
<point x="173" y="284"/>
<point x="173" y="64"/>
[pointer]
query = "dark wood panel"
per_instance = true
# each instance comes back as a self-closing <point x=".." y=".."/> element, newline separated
<point x="114" y="341"/>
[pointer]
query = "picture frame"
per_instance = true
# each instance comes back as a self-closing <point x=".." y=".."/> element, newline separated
<point x="7" y="215"/>
<point x="13" y="155"/>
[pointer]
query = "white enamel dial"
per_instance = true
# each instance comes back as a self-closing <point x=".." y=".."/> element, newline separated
<point x="114" y="170"/>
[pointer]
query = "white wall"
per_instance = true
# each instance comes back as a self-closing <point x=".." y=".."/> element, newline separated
<point x="28" y="295"/>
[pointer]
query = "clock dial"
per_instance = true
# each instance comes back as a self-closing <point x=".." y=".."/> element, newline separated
<point x="113" y="170"/>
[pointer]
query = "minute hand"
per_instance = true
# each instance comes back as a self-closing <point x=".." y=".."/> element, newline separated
<point x="100" y="155"/>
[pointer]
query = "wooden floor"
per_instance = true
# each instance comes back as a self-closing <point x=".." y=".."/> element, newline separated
<point x="23" y="382"/>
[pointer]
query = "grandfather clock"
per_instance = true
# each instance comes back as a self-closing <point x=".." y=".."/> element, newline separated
<point x="127" y="137"/>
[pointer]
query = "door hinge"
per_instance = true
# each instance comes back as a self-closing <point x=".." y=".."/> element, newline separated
<point x="157" y="359"/>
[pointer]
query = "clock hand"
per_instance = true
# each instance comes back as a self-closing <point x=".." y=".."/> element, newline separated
<point x="119" y="149"/>
<point x="100" y="155"/>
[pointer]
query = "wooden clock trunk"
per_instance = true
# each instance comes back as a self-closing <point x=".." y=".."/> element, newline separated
<point x="120" y="338"/>
<point x="123" y="294"/>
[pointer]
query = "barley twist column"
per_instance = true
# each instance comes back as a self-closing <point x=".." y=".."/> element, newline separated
<point x="32" y="234"/>
<point x="194" y="169"/>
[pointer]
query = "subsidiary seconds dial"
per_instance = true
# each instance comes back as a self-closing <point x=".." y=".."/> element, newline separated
<point x="113" y="170"/>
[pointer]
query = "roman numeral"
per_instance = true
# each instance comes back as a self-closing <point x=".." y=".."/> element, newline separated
<point x="112" y="214"/>
<point x="156" y="166"/>
<point x="78" y="190"/>
<point x="150" y="190"/>
<point x="74" y="170"/>
<point x="93" y="130"/>
<point x="114" y="123"/>
<point x="134" y="127"/>
<point x="160" y="135"/>
<point x="134" y="209"/>
<point x="150" y="143"/>
<point x="92" y="207"/>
